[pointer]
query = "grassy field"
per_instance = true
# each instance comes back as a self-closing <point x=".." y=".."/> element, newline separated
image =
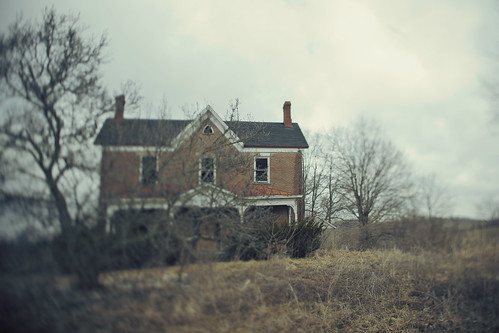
<point x="411" y="276"/>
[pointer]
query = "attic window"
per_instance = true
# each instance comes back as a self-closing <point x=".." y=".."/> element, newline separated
<point x="208" y="130"/>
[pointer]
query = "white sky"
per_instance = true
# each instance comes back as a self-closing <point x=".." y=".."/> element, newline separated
<point x="416" y="66"/>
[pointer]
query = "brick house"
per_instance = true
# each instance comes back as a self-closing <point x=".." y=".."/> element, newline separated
<point x="174" y="165"/>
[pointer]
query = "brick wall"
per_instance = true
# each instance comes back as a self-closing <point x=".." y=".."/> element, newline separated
<point x="120" y="175"/>
<point x="285" y="172"/>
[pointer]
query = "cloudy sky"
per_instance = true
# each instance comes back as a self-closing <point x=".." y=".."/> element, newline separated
<point x="416" y="66"/>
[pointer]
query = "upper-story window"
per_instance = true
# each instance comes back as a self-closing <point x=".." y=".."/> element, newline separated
<point x="149" y="170"/>
<point x="208" y="130"/>
<point x="207" y="170"/>
<point x="262" y="170"/>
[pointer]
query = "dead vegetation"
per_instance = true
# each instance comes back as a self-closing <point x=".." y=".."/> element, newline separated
<point x="444" y="278"/>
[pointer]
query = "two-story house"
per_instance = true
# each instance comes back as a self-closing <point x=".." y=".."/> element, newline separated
<point x="173" y="165"/>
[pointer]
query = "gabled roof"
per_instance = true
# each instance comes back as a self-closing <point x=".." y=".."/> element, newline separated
<point x="139" y="132"/>
<point x="268" y="134"/>
<point x="164" y="132"/>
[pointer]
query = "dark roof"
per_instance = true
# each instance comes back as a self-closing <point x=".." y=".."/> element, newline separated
<point x="155" y="132"/>
<point x="264" y="134"/>
<point x="139" y="132"/>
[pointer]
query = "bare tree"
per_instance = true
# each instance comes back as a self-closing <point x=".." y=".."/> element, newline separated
<point x="331" y="203"/>
<point x="488" y="208"/>
<point x="52" y="105"/>
<point x="52" y="102"/>
<point x="322" y="196"/>
<point x="373" y="177"/>
<point x="314" y="174"/>
<point x="434" y="201"/>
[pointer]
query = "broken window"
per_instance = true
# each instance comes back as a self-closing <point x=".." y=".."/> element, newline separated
<point x="262" y="169"/>
<point x="149" y="170"/>
<point x="207" y="170"/>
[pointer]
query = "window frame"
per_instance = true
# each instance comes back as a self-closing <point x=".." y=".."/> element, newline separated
<point x="267" y="181"/>
<point x="208" y="130"/>
<point x="156" y="170"/>
<point x="201" y="170"/>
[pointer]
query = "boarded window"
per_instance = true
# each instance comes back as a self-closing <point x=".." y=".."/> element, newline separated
<point x="149" y="170"/>
<point x="207" y="170"/>
<point x="262" y="169"/>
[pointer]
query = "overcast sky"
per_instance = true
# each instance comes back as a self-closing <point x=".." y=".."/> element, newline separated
<point x="416" y="66"/>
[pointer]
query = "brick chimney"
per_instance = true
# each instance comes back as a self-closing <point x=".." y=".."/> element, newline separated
<point x="287" y="114"/>
<point x="120" y="107"/>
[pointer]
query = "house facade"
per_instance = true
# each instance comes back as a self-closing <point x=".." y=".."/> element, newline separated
<point x="206" y="162"/>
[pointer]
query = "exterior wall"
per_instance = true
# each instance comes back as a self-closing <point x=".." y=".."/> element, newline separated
<point x="285" y="172"/>
<point x="119" y="173"/>
<point x="178" y="171"/>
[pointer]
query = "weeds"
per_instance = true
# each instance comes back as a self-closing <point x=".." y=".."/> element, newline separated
<point x="439" y="283"/>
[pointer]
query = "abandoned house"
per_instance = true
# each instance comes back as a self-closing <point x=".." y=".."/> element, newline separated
<point x="175" y="166"/>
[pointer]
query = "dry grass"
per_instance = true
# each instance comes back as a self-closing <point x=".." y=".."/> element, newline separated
<point x="449" y="286"/>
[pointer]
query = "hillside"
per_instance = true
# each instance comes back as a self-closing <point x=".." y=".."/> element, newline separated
<point x="452" y="285"/>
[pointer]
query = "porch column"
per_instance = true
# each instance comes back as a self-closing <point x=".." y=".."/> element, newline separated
<point x="292" y="209"/>
<point x="241" y="210"/>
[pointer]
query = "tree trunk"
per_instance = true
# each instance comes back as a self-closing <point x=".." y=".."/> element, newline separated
<point x="363" y="218"/>
<point x="65" y="220"/>
<point x="364" y="238"/>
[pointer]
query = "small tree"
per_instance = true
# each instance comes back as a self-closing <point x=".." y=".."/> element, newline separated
<point x="373" y="177"/>
<point x="332" y="199"/>
<point x="488" y="208"/>
<point x="322" y="196"/>
<point x="314" y="174"/>
<point x="52" y="103"/>
<point x="434" y="199"/>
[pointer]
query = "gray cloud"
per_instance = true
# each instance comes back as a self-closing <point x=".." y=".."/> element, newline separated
<point x="414" y="65"/>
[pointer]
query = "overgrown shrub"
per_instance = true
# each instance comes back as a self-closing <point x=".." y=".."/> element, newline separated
<point x="304" y="237"/>
<point x="442" y="235"/>
<point x="30" y="306"/>
<point x="22" y="256"/>
<point x="81" y="252"/>
<point x="147" y="250"/>
<point x="264" y="239"/>
<point x="87" y="252"/>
